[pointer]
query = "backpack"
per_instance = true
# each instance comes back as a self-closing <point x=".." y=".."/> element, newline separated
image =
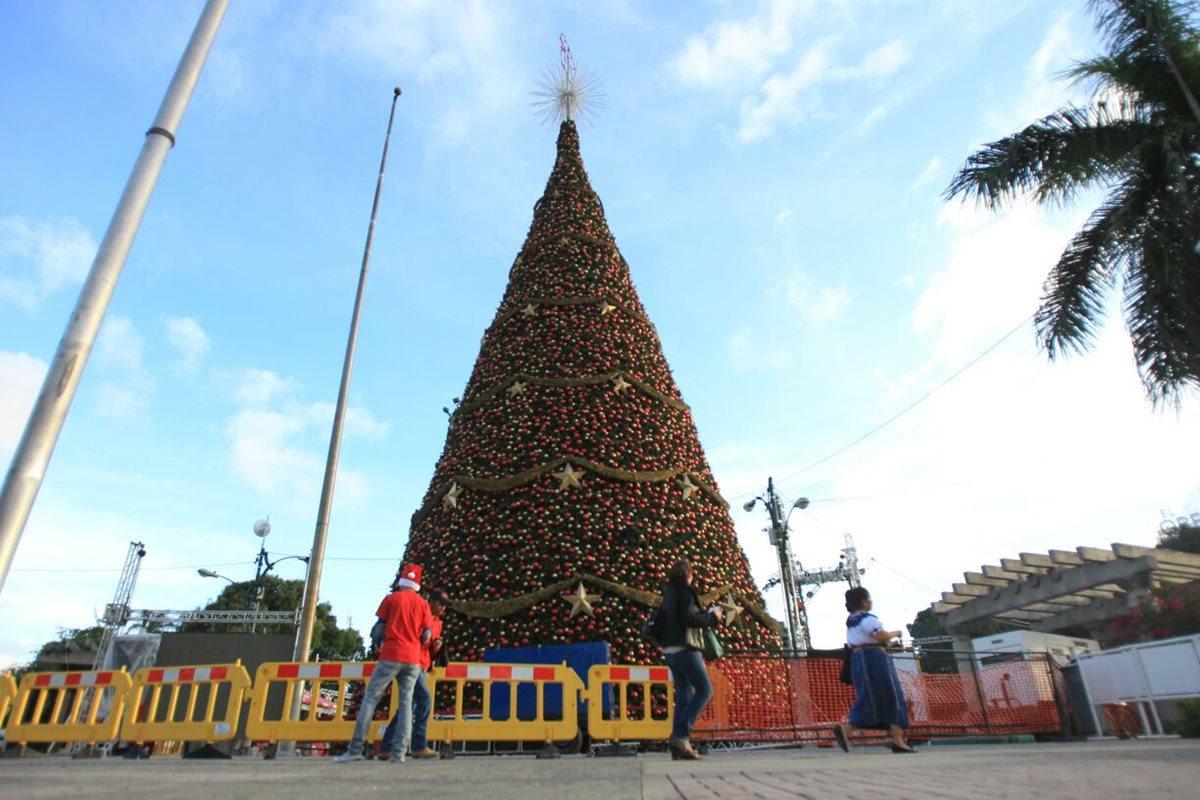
<point x="652" y="628"/>
<point x="845" y="674"/>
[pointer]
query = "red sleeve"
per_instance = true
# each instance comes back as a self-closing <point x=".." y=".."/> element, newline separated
<point x="385" y="607"/>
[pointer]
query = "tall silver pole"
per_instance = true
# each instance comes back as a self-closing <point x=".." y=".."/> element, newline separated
<point x="33" y="453"/>
<point x="312" y="583"/>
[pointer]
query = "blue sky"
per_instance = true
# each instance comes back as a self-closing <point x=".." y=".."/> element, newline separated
<point x="772" y="172"/>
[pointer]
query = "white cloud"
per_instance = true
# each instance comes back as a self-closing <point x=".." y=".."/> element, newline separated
<point x="189" y="340"/>
<point x="465" y="48"/>
<point x="745" y="353"/>
<point x="812" y="304"/>
<point x="931" y="173"/>
<point x="126" y="394"/>
<point x="729" y="52"/>
<point x="39" y="258"/>
<point x="1044" y="90"/>
<point x="255" y="387"/>
<point x="992" y="280"/>
<point x="21" y="376"/>
<point x="785" y="98"/>
<point x="279" y="445"/>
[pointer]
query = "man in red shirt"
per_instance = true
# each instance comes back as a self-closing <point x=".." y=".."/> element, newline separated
<point x="408" y="625"/>
<point x="422" y="699"/>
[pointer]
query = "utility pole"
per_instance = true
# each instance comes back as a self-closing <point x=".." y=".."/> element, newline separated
<point x="797" y="621"/>
<point x="32" y="456"/>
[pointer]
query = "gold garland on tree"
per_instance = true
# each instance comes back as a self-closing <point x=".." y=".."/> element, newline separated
<point x="498" y="609"/>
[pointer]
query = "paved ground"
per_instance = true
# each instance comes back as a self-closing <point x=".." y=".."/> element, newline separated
<point x="1088" y="771"/>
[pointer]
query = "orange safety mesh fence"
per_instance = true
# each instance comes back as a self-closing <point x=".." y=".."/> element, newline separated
<point x="770" y="698"/>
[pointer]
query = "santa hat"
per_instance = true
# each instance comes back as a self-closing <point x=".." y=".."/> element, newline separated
<point x="409" y="578"/>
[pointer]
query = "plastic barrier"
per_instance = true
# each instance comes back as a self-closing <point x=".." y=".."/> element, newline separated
<point x="474" y="683"/>
<point x="645" y="697"/>
<point x="148" y="718"/>
<point x="68" y="707"/>
<point x="275" y="687"/>
<point x="8" y="690"/>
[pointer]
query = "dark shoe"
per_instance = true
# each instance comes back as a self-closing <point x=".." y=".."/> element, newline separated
<point x="840" y="735"/>
<point x="898" y="749"/>
<point x="682" y="751"/>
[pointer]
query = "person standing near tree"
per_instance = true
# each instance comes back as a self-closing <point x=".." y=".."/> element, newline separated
<point x="408" y="624"/>
<point x="879" y="699"/>
<point x="422" y="699"/>
<point x="683" y="646"/>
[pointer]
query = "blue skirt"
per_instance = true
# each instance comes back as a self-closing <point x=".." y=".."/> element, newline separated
<point x="879" y="700"/>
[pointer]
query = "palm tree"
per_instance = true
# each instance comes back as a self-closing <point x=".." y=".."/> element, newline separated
<point x="1138" y="139"/>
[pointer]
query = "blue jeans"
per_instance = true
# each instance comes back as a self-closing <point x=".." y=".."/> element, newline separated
<point x="421" y="704"/>
<point x="693" y="690"/>
<point x="406" y="677"/>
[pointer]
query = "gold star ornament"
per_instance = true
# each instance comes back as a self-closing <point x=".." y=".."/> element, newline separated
<point x="568" y="476"/>
<point x="732" y="609"/>
<point x="606" y="308"/>
<point x="450" y="500"/>
<point x="581" y="601"/>
<point x="517" y="388"/>
<point x="529" y="310"/>
<point x="620" y="384"/>
<point x="688" y="487"/>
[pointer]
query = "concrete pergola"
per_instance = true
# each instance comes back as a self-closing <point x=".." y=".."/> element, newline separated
<point x="1062" y="590"/>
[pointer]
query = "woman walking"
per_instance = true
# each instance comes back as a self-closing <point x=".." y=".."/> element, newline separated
<point x="683" y="646"/>
<point x="879" y="700"/>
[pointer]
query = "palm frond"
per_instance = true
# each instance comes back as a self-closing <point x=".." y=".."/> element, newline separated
<point x="1157" y="46"/>
<point x="1052" y="158"/>
<point x="1072" y="307"/>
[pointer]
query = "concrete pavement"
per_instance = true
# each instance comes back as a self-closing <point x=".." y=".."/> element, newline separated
<point x="1146" y="770"/>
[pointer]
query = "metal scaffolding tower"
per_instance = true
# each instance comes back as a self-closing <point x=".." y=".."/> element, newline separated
<point x="116" y="613"/>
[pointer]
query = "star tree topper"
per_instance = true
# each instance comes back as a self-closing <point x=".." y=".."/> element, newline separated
<point x="566" y="93"/>
<point x="581" y="601"/>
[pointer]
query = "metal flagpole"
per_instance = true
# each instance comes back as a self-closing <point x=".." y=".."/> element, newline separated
<point x="33" y="453"/>
<point x="312" y="583"/>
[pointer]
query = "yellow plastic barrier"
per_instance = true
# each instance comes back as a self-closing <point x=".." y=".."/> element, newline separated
<point x="148" y="718"/>
<point x="625" y="724"/>
<point x="68" y="707"/>
<point x="317" y="723"/>
<point x="478" y="725"/>
<point x="8" y="690"/>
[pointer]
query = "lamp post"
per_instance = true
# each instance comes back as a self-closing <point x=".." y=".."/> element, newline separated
<point x="797" y="618"/>
<point x="262" y="565"/>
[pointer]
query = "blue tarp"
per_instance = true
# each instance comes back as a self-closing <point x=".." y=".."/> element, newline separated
<point x="579" y="657"/>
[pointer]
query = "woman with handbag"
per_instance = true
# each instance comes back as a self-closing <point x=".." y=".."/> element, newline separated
<point x="879" y="699"/>
<point x="683" y="644"/>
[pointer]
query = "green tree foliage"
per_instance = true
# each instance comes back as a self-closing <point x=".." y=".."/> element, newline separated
<point x="1185" y="538"/>
<point x="330" y="643"/>
<point x="74" y="648"/>
<point x="1138" y="140"/>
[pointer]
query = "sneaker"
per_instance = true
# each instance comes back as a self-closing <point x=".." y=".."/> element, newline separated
<point x="346" y="758"/>
<point x="396" y="758"/>
<point x="427" y="752"/>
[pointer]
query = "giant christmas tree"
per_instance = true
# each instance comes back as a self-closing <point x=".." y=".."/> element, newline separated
<point x="572" y="476"/>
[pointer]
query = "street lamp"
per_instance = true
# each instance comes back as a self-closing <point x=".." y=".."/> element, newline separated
<point x="796" y="619"/>
<point x="208" y="573"/>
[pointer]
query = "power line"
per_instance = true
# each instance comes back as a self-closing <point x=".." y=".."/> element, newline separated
<point x="851" y="498"/>
<point x="119" y="569"/>
<point x="902" y="575"/>
<point x="913" y="404"/>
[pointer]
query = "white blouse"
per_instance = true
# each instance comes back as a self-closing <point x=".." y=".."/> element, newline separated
<point x="864" y="632"/>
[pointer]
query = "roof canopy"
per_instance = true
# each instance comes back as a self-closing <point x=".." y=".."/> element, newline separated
<point x="1062" y="589"/>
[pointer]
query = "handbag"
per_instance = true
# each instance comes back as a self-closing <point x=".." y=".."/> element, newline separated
<point x="652" y="627"/>
<point x="712" y="645"/>
<point x="846" y="674"/>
